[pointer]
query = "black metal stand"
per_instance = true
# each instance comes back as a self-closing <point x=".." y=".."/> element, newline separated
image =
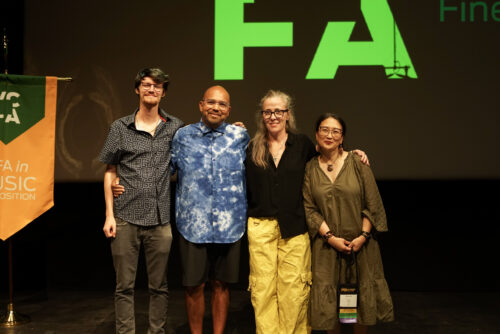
<point x="12" y="318"/>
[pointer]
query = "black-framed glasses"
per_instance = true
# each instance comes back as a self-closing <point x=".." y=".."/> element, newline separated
<point x="212" y="103"/>
<point x="156" y="87"/>
<point x="277" y="113"/>
<point x="324" y="131"/>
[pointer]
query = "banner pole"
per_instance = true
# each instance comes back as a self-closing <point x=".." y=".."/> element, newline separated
<point x="11" y="275"/>
<point x="12" y="318"/>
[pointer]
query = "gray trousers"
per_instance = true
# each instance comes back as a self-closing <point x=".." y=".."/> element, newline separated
<point x="156" y="241"/>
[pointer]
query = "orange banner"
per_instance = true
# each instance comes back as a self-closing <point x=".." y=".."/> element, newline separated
<point x="26" y="150"/>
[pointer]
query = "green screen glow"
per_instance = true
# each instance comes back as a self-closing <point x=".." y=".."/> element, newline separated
<point x="232" y="35"/>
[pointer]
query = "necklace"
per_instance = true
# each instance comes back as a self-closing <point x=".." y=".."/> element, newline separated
<point x="331" y="165"/>
<point x="279" y="151"/>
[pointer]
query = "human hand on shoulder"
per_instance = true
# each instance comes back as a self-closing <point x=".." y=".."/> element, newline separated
<point x="362" y="155"/>
<point x="240" y="124"/>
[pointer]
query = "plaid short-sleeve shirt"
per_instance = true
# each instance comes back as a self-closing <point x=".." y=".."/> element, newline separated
<point x="143" y="165"/>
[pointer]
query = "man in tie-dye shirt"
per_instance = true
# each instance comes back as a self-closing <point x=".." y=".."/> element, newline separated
<point x="210" y="205"/>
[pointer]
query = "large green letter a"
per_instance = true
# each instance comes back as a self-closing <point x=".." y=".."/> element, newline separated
<point x="335" y="50"/>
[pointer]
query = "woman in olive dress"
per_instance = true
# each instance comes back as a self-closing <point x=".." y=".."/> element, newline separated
<point x="343" y="210"/>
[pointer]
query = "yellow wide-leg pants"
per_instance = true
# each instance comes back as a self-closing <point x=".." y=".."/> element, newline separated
<point x="280" y="278"/>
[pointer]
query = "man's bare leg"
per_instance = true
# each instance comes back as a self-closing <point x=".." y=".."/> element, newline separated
<point x="195" y="307"/>
<point x="220" y="305"/>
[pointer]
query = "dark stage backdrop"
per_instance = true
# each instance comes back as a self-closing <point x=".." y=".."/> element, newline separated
<point x="441" y="125"/>
<point x="432" y="140"/>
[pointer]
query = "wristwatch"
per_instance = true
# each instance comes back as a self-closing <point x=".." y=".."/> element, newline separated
<point x="365" y="234"/>
<point x="327" y="235"/>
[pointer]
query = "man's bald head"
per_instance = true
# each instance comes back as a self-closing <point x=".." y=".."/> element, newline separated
<point x="215" y="106"/>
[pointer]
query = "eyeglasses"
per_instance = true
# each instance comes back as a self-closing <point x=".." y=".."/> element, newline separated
<point x="324" y="131"/>
<point x="156" y="87"/>
<point x="212" y="103"/>
<point x="277" y="113"/>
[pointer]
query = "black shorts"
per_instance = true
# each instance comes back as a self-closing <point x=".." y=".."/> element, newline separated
<point x="201" y="262"/>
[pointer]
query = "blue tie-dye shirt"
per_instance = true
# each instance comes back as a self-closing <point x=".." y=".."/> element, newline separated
<point x="211" y="204"/>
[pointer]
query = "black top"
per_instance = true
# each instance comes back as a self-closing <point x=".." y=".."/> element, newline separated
<point x="277" y="192"/>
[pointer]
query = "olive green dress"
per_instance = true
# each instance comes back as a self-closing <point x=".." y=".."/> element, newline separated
<point x="343" y="204"/>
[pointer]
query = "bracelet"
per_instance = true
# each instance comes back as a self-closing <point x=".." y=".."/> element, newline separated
<point x="365" y="234"/>
<point x="327" y="235"/>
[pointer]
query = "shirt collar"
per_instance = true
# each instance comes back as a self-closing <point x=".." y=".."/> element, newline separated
<point x="130" y="119"/>
<point x="205" y="129"/>
<point x="291" y="139"/>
